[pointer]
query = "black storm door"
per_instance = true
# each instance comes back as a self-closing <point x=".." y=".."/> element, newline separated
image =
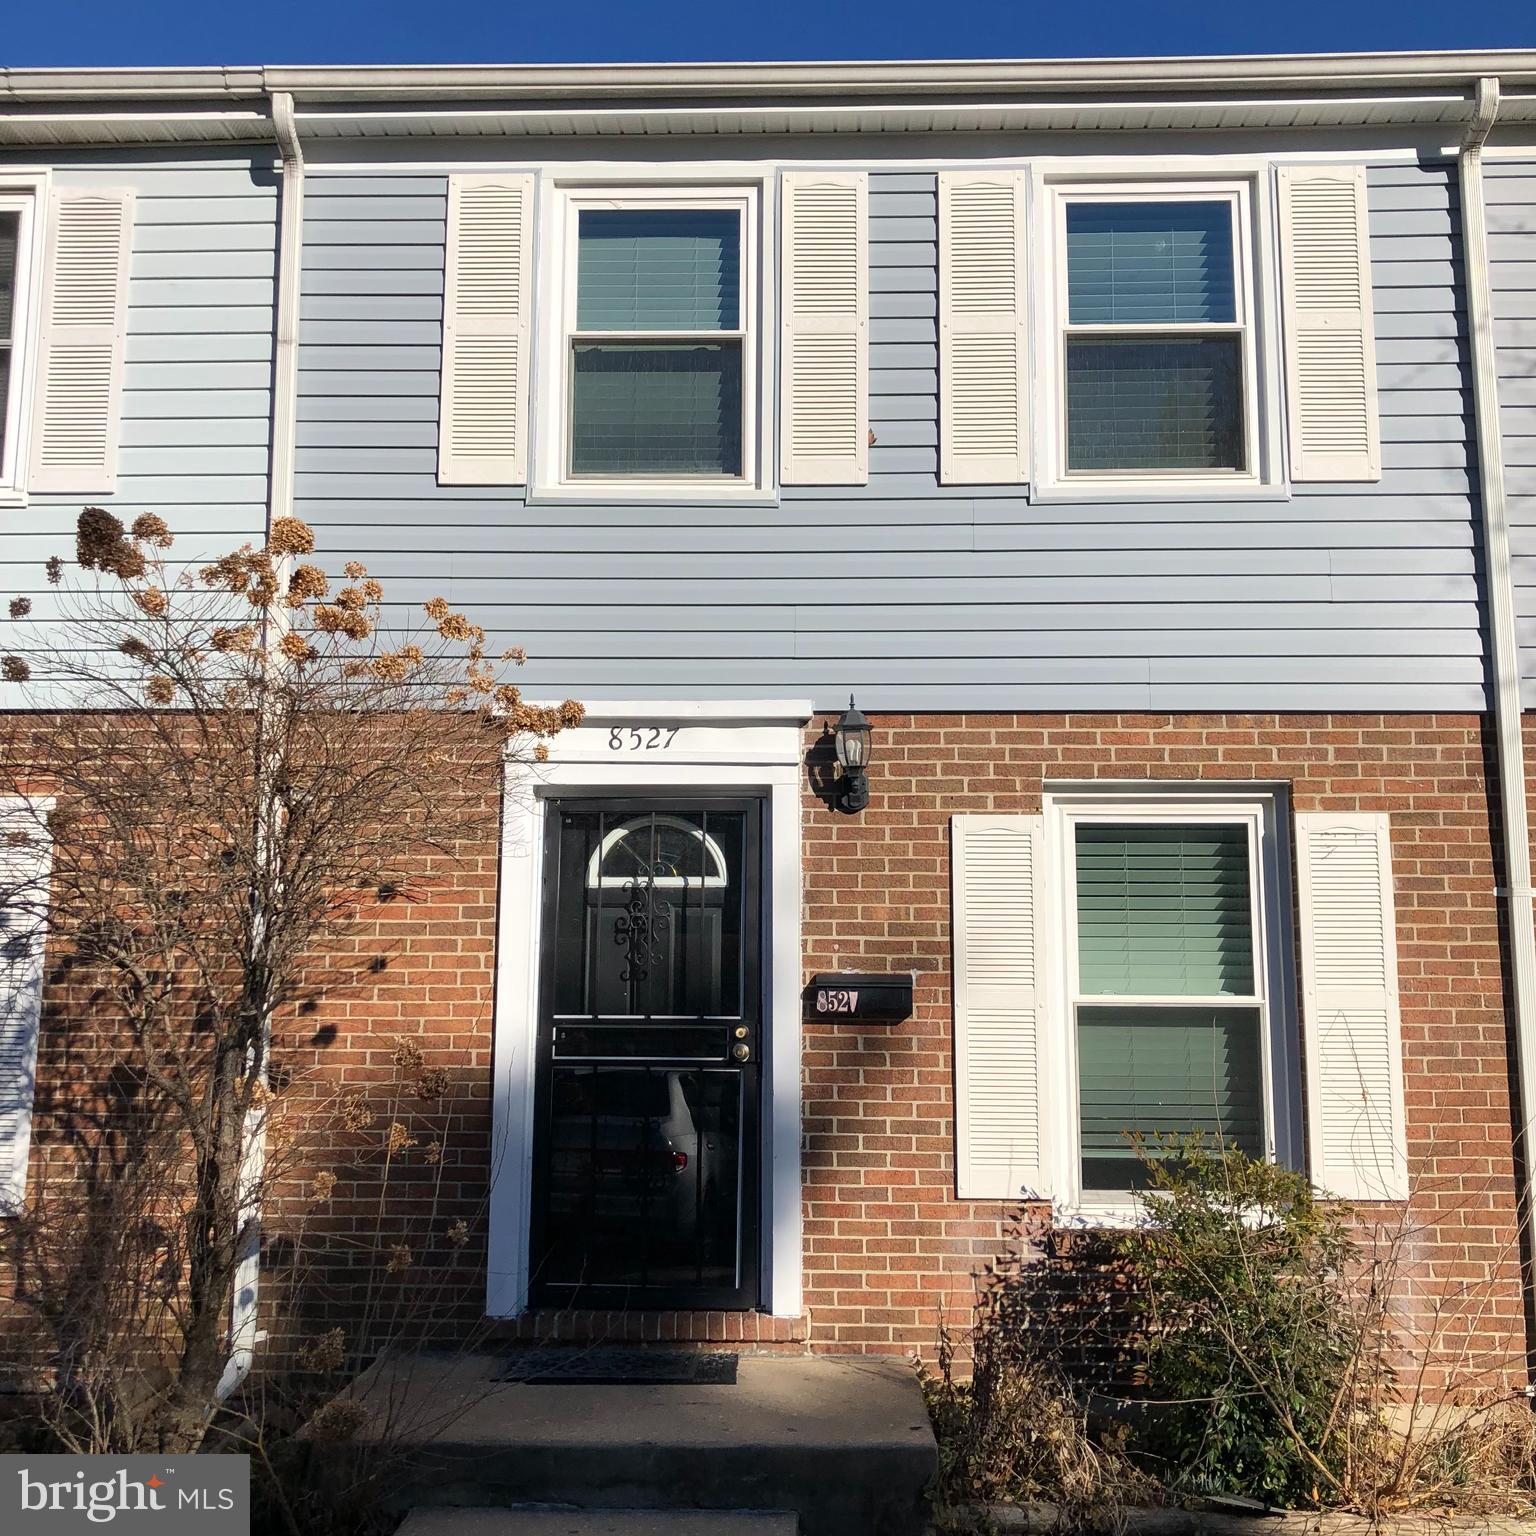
<point x="646" y="1121"/>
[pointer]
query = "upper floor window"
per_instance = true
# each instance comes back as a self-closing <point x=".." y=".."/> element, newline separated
<point x="657" y="339"/>
<point x="1156" y="355"/>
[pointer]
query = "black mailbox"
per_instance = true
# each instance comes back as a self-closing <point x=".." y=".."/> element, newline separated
<point x="869" y="997"/>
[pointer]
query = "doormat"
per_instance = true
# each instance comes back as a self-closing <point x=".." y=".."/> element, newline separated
<point x="607" y="1367"/>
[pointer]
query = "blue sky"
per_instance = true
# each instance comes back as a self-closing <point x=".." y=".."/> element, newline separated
<point x="63" y="32"/>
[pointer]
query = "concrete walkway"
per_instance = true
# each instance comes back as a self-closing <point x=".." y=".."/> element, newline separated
<point x="843" y="1443"/>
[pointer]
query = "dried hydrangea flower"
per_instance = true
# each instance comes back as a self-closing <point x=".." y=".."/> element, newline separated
<point x="407" y="1056"/>
<point x="53" y="569"/>
<point x="262" y="589"/>
<point x="14" y="670"/>
<point x="321" y="1189"/>
<point x="241" y="639"/>
<point x="437" y="608"/>
<point x="391" y="667"/>
<point x="160" y="689"/>
<point x="153" y="601"/>
<point x="307" y="581"/>
<point x="458" y="1233"/>
<point x="355" y="570"/>
<point x="432" y="1084"/>
<point x="326" y="1353"/>
<point x="356" y="1116"/>
<point x="336" y="1421"/>
<point x="20" y="607"/>
<point x="153" y="530"/>
<point x="398" y="1138"/>
<point x="295" y="647"/>
<point x="291" y="536"/>
<point x="399" y="1259"/>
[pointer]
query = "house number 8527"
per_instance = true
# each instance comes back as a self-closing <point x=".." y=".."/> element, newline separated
<point x="642" y="738"/>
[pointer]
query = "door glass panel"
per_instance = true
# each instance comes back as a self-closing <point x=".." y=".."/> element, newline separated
<point x="650" y="914"/>
<point x="644" y="1177"/>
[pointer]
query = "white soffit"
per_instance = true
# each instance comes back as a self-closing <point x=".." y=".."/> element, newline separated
<point x="1130" y="116"/>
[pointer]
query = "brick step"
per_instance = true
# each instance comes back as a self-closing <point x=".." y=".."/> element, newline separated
<point x="547" y="1520"/>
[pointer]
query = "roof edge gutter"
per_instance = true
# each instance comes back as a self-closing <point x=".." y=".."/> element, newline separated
<point x="379" y="82"/>
<point x="1503" y="646"/>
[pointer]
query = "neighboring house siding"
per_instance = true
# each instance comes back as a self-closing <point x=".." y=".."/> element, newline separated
<point x="1510" y="188"/>
<point x="197" y="376"/>
<point x="917" y="596"/>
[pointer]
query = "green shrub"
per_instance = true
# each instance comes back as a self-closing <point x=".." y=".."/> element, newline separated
<point x="1257" y="1343"/>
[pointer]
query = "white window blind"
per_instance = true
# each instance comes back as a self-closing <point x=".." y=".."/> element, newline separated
<point x="1156" y="336"/>
<point x="1170" y="1032"/>
<point x="657" y="354"/>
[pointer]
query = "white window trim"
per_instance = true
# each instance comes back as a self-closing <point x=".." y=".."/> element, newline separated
<point x="555" y="266"/>
<point x="26" y="193"/>
<point x="1257" y="319"/>
<point x="1261" y="810"/>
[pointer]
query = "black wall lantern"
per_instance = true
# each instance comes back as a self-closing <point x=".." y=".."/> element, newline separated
<point x="852" y="736"/>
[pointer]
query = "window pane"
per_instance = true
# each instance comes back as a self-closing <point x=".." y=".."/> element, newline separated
<point x="10" y="230"/>
<point x="1164" y="911"/>
<point x="658" y="269"/>
<point x="656" y="408"/>
<point x="1150" y="263"/>
<point x="1165" y="404"/>
<point x="1165" y="1071"/>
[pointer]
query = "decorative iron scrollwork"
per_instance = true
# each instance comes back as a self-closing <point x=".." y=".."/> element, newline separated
<point x="641" y="927"/>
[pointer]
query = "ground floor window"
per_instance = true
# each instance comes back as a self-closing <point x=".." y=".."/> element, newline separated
<point x="1171" y="985"/>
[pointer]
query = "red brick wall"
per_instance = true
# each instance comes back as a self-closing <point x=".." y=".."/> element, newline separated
<point x="886" y="1241"/>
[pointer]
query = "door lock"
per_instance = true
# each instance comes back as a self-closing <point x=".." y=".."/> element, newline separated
<point x="742" y="1031"/>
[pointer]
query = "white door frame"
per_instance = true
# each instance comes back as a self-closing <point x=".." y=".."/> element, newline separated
<point x="643" y="747"/>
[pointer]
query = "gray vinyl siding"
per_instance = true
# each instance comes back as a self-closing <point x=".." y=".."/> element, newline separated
<point x="1510" y="189"/>
<point x="197" y="375"/>
<point x="914" y="595"/>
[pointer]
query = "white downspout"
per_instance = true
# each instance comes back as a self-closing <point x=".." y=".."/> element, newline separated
<point x="1504" y="651"/>
<point x="243" y="1334"/>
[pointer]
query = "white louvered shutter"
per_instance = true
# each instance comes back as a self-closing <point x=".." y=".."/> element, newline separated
<point x="1330" y="342"/>
<point x="824" y="329"/>
<point x="996" y="875"/>
<point x="1352" y="1030"/>
<point x="80" y="351"/>
<point x="24" y="861"/>
<point x="487" y="299"/>
<point x="983" y="314"/>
